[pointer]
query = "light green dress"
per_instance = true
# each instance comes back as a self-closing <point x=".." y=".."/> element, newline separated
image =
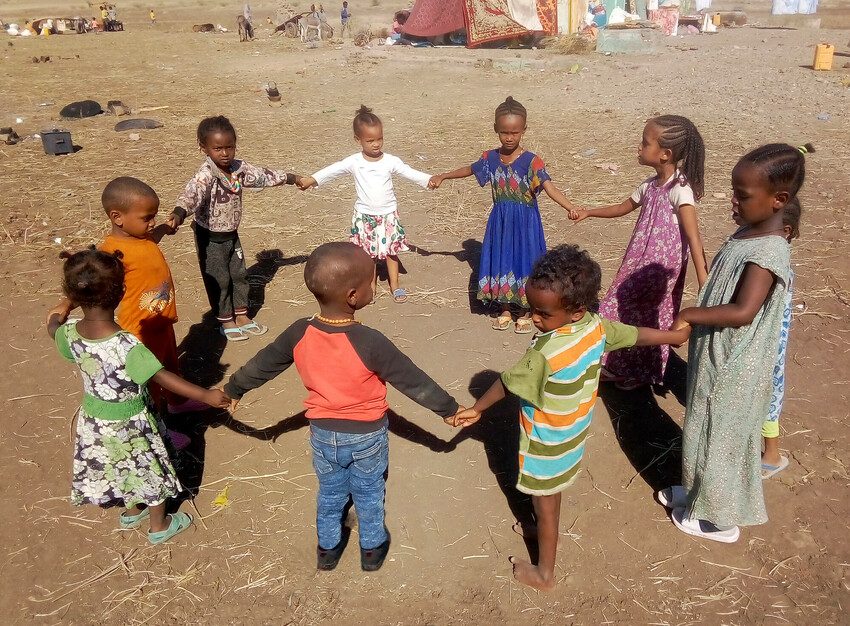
<point x="729" y="388"/>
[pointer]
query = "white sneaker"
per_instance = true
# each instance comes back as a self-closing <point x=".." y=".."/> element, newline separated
<point x="703" y="529"/>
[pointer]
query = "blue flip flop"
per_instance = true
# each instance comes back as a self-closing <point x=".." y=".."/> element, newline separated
<point x="400" y="295"/>
<point x="768" y="470"/>
<point x="128" y="522"/>
<point x="179" y="522"/>
<point x="234" y="334"/>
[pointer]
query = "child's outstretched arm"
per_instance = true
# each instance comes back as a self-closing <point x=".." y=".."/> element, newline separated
<point x="266" y="364"/>
<point x="327" y="174"/>
<point x="461" y="172"/>
<point x="615" y="210"/>
<point x="193" y="196"/>
<point x="750" y="294"/>
<point x="471" y="415"/>
<point x="405" y="171"/>
<point x="558" y="196"/>
<point x="690" y="226"/>
<point x="181" y="387"/>
<point x="619" y="335"/>
<point x="260" y="177"/>
<point x="58" y="315"/>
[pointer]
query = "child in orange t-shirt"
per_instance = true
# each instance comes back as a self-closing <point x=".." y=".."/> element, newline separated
<point x="148" y="309"/>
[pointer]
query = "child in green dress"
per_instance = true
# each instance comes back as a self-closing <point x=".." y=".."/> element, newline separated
<point x="119" y="454"/>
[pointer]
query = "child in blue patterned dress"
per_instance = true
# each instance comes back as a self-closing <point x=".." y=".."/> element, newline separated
<point x="513" y="238"/>
<point x="119" y="455"/>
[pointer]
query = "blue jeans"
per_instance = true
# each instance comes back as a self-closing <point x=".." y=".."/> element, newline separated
<point x="349" y="464"/>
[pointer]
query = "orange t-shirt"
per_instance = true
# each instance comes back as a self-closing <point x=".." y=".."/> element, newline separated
<point x="148" y="300"/>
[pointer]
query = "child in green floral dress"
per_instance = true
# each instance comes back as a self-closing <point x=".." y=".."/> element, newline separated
<point x="119" y="454"/>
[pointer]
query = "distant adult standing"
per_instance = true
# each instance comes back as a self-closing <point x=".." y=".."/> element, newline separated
<point x="792" y="7"/>
<point x="249" y="25"/>
<point x="345" y="18"/>
<point x="153" y="17"/>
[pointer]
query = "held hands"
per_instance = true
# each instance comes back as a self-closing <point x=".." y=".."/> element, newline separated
<point x="305" y="182"/>
<point x="682" y="330"/>
<point x="577" y="214"/>
<point x="435" y="182"/>
<point x="463" y="418"/>
<point x="218" y="399"/>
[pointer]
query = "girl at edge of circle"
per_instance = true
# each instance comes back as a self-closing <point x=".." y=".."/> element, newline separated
<point x="513" y="237"/>
<point x="119" y="454"/>
<point x="375" y="226"/>
<point x="648" y="287"/>
<point x="213" y="197"/>
<point x="733" y="353"/>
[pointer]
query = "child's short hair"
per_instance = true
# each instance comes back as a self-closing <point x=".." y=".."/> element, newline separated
<point x="364" y="117"/>
<point x="91" y="278"/>
<point x="681" y="137"/>
<point x="216" y="124"/>
<point x="791" y="213"/>
<point x="511" y="107"/>
<point x="569" y="272"/>
<point x="119" y="193"/>
<point x="783" y="165"/>
<point x="335" y="267"/>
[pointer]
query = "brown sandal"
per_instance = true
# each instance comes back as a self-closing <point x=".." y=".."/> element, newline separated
<point x="503" y="322"/>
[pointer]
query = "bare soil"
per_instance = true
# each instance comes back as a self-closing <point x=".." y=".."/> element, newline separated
<point x="450" y="502"/>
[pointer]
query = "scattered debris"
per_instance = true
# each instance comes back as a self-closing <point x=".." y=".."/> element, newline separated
<point x="137" y="124"/>
<point x="117" y="108"/>
<point x="81" y="109"/>
<point x="9" y="136"/>
<point x="57" y="141"/>
<point x="134" y="136"/>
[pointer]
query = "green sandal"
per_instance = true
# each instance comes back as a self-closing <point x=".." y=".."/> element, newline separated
<point x="179" y="523"/>
<point x="129" y="522"/>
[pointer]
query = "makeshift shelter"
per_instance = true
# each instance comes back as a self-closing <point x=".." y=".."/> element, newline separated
<point x="492" y="20"/>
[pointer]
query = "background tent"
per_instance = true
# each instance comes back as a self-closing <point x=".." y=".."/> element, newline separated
<point x="489" y="20"/>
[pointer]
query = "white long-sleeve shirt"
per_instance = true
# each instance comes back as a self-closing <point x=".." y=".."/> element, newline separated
<point x="373" y="180"/>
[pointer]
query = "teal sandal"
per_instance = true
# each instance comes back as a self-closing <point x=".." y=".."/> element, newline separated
<point x="179" y="523"/>
<point x="129" y="522"/>
<point x="234" y="334"/>
<point x="252" y="328"/>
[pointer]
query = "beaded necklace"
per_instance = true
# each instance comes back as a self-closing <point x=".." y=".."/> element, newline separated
<point x="348" y="320"/>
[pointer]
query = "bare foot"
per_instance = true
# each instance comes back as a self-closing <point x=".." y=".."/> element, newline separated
<point x="530" y="575"/>
<point x="774" y="459"/>
<point x="526" y="532"/>
<point x="242" y="320"/>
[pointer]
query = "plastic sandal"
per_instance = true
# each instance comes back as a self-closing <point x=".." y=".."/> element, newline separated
<point x="128" y="522"/>
<point x="272" y="91"/>
<point x="503" y="322"/>
<point x="179" y="523"/>
<point x="234" y="334"/>
<point x="400" y="296"/>
<point x="674" y="497"/>
<point x="372" y="559"/>
<point x="523" y="326"/>
<point x="252" y="328"/>
<point x="703" y="529"/>
<point x="768" y="470"/>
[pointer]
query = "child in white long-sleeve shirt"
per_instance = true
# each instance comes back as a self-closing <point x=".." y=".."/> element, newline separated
<point x="375" y="226"/>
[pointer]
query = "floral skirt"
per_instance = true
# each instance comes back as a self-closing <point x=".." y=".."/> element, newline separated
<point x="379" y="235"/>
<point x="122" y="462"/>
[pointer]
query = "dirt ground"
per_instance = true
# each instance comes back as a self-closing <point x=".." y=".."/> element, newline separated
<point x="450" y="501"/>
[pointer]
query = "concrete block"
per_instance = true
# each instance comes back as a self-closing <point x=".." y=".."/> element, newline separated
<point x="634" y="41"/>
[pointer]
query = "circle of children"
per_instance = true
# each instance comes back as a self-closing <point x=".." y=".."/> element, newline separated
<point x="737" y="333"/>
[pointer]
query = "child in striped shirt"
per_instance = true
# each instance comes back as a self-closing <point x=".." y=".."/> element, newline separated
<point x="557" y="382"/>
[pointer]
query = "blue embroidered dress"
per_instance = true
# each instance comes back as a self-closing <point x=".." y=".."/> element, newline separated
<point x="513" y="239"/>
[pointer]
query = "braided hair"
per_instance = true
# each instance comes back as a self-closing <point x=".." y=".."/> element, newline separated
<point x="681" y="137"/>
<point x="791" y="213"/>
<point x="91" y="278"/>
<point x="511" y="107"/>
<point x="783" y="165"/>
<point x="217" y="124"/>
<point x="364" y="117"/>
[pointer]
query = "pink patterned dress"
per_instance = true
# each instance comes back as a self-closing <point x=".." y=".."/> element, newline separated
<point x="647" y="290"/>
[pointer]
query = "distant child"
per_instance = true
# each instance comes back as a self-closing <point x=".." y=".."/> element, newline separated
<point x="647" y="290"/>
<point x="513" y="239"/>
<point x="153" y="17"/>
<point x="345" y="368"/>
<point x="119" y="455"/>
<point x="214" y="198"/>
<point x="344" y="20"/>
<point x="733" y="353"/>
<point x="148" y="308"/>
<point x="556" y="382"/>
<point x="375" y="226"/>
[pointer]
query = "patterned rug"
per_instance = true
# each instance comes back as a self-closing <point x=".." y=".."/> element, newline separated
<point x="489" y="20"/>
<point x="431" y="18"/>
<point x="547" y="11"/>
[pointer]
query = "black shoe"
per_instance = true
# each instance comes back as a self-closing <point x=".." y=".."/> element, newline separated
<point x="327" y="560"/>
<point x="372" y="559"/>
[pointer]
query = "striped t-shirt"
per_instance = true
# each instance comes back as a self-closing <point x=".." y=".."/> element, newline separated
<point x="557" y="382"/>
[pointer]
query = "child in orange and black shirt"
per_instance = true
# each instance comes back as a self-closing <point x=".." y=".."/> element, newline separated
<point x="345" y="368"/>
<point x="148" y="309"/>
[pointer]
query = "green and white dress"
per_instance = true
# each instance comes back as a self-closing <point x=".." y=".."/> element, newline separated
<point x="730" y="383"/>
<point x="119" y="454"/>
